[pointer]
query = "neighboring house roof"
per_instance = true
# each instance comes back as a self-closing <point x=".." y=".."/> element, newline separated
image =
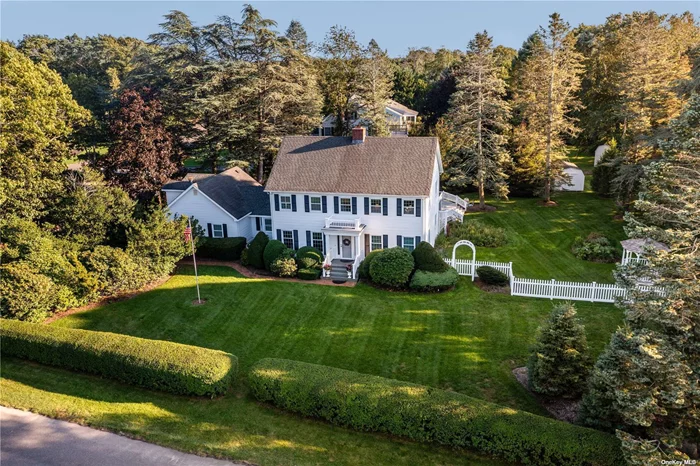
<point x="233" y="190"/>
<point x="402" y="109"/>
<point x="641" y="245"/>
<point x="391" y="166"/>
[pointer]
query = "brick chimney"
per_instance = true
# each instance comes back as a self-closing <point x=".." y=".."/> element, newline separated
<point x="358" y="135"/>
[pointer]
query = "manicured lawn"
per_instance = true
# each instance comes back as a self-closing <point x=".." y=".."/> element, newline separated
<point x="465" y="340"/>
<point x="540" y="238"/>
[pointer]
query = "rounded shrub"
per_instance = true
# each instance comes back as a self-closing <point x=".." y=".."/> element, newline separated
<point x="391" y="267"/>
<point x="26" y="294"/>
<point x="363" y="269"/>
<point x="426" y="414"/>
<point x="595" y="248"/>
<point x="154" y="364"/>
<point x="284" y="265"/>
<point x="309" y="274"/>
<point x="434" y="281"/>
<point x="256" y="250"/>
<point x="492" y="276"/>
<point x="273" y="250"/>
<point x="428" y="259"/>
<point x="309" y="257"/>
<point x="244" y="257"/>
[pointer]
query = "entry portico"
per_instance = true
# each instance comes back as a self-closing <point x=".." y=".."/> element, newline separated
<point x="343" y="238"/>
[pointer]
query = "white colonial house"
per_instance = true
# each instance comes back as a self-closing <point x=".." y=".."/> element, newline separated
<point x="228" y="204"/>
<point x="399" y="118"/>
<point x="348" y="196"/>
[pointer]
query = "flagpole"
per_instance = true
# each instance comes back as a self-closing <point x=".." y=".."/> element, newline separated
<point x="194" y="261"/>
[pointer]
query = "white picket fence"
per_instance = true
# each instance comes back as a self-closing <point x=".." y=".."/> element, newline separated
<point x="464" y="267"/>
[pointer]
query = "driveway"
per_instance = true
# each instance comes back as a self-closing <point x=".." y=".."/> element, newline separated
<point x="28" y="439"/>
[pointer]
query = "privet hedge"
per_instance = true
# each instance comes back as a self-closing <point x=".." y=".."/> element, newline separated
<point x="228" y="249"/>
<point x="371" y="403"/>
<point x="155" y="364"/>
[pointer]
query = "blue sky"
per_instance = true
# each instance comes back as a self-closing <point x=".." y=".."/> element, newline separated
<point x="396" y="25"/>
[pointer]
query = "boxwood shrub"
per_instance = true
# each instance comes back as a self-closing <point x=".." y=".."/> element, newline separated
<point x="363" y="269"/>
<point x="391" y="267"/>
<point x="309" y="257"/>
<point x="434" y="281"/>
<point x="492" y="276"/>
<point x="154" y="364"/>
<point x="228" y="249"/>
<point x="256" y="250"/>
<point x="371" y="403"/>
<point x="309" y="274"/>
<point x="428" y="259"/>
<point x="273" y="250"/>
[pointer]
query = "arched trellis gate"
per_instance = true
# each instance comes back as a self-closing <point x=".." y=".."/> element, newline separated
<point x="464" y="242"/>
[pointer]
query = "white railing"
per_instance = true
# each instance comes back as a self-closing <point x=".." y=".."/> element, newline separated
<point x="343" y="224"/>
<point x="356" y="265"/>
<point x="327" y="261"/>
<point x="458" y="201"/>
<point x="627" y="260"/>
<point x="464" y="267"/>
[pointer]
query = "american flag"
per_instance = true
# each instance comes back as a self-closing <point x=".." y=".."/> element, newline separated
<point x="188" y="233"/>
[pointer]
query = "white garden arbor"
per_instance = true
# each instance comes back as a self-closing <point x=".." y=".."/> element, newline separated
<point x="454" y="255"/>
<point x="633" y="250"/>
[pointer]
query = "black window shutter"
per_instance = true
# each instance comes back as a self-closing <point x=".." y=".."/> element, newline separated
<point x="308" y="238"/>
<point x="306" y="203"/>
<point x="294" y="202"/>
<point x="277" y="202"/>
<point x="418" y="207"/>
<point x="279" y="235"/>
<point x="257" y="223"/>
<point x="324" y="204"/>
<point x="366" y="206"/>
<point x="385" y="206"/>
<point x="399" y="241"/>
<point x="209" y="232"/>
<point x="324" y="243"/>
<point x="417" y="241"/>
<point x="338" y="241"/>
<point x="336" y="204"/>
<point x="354" y="206"/>
<point x="225" y="231"/>
<point x="385" y="241"/>
<point x="399" y="207"/>
<point x="296" y="239"/>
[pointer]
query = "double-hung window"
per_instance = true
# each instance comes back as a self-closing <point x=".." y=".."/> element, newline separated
<point x="315" y="203"/>
<point x="375" y="206"/>
<point x="409" y="243"/>
<point x="345" y="205"/>
<point x="288" y="239"/>
<point x="286" y="202"/>
<point x="268" y="224"/>
<point x="409" y="207"/>
<point x="317" y="240"/>
<point x="217" y="231"/>
<point x="376" y="242"/>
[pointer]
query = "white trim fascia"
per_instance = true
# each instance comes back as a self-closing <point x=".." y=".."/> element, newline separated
<point x="349" y="194"/>
<point x="194" y="185"/>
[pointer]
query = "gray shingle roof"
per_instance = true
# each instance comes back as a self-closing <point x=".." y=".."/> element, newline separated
<point x="400" y="108"/>
<point x="234" y="190"/>
<point x="391" y="166"/>
<point x="640" y="245"/>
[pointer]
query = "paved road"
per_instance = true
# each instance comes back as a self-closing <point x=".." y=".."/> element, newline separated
<point x="28" y="439"/>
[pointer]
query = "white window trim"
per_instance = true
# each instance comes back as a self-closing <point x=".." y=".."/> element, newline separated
<point x="381" y="205"/>
<point x="340" y="205"/>
<point x="312" y="203"/>
<point x="371" y="242"/>
<point x="314" y="240"/>
<point x="414" y="206"/>
<point x="291" y="238"/>
<point x="213" y="230"/>
<point x="282" y="202"/>
<point x="265" y="224"/>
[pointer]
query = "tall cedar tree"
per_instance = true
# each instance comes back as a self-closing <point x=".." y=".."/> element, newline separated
<point x="647" y="382"/>
<point x="374" y="88"/>
<point x="546" y="94"/>
<point x="143" y="156"/>
<point x="560" y="360"/>
<point x="479" y="120"/>
<point x="34" y="141"/>
<point x="342" y="56"/>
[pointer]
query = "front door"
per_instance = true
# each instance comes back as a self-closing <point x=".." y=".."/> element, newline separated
<point x="346" y="247"/>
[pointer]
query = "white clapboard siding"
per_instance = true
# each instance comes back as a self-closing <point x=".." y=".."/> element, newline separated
<point x="464" y="267"/>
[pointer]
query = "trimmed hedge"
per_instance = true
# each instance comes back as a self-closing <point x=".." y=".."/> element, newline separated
<point x="363" y="269"/>
<point x="273" y="250"/>
<point x="256" y="250"/>
<point x="229" y="249"/>
<point x="434" y="281"/>
<point x="309" y="274"/>
<point x="428" y="259"/>
<point x="426" y="414"/>
<point x="308" y="257"/>
<point x="155" y="364"/>
<point x="492" y="276"/>
<point x="391" y="267"/>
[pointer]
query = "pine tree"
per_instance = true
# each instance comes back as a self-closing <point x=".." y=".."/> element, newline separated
<point x="647" y="383"/>
<point x="478" y="116"/>
<point x="546" y="93"/>
<point x="374" y="88"/>
<point x="560" y="361"/>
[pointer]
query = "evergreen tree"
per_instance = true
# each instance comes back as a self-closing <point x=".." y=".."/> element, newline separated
<point x="560" y="361"/>
<point x="647" y="383"/>
<point x="374" y="88"/>
<point x="546" y="93"/>
<point x="478" y="115"/>
<point x="296" y="34"/>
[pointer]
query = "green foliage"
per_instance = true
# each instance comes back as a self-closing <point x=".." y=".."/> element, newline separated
<point x="158" y="242"/>
<point x="492" y="276"/>
<point x="363" y="269"/>
<point x="116" y="271"/>
<point x="309" y="257"/>
<point x="427" y="258"/>
<point x="434" y="281"/>
<point x="154" y="364"/>
<point x="256" y="250"/>
<point x="273" y="250"/>
<point x="605" y="172"/>
<point x="309" y="274"/>
<point x="595" y="248"/>
<point x="244" y="257"/>
<point x="371" y="403"/>
<point x="285" y="265"/>
<point x="28" y="294"/>
<point x="477" y="232"/>
<point x="560" y="359"/>
<point x="391" y="267"/>
<point x="228" y="249"/>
